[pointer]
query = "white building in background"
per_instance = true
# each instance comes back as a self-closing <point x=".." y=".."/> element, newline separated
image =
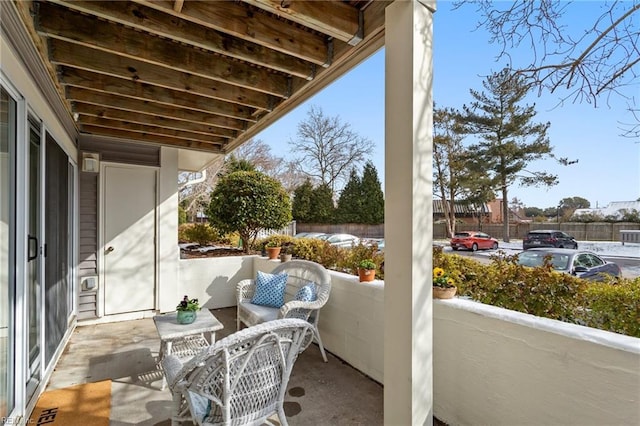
<point x="615" y="209"/>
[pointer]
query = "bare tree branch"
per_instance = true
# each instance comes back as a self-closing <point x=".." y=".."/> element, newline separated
<point x="601" y="59"/>
<point x="326" y="148"/>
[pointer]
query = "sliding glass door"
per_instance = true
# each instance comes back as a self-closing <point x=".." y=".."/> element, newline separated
<point x="58" y="238"/>
<point x="8" y="126"/>
<point x="34" y="257"/>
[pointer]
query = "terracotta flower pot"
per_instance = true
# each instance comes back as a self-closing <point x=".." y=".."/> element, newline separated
<point x="273" y="252"/>
<point x="444" y="293"/>
<point x="366" y="274"/>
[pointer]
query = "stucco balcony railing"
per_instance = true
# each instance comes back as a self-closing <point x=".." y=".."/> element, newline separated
<point x="490" y="365"/>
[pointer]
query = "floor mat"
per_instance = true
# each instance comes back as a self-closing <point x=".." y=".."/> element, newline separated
<point x="80" y="405"/>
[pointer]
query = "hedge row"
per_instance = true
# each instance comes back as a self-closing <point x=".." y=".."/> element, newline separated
<point x="613" y="305"/>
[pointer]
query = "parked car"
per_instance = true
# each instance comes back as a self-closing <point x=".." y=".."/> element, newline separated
<point x="310" y="235"/>
<point x="548" y="238"/>
<point x="581" y="263"/>
<point x="343" y="240"/>
<point x="473" y="240"/>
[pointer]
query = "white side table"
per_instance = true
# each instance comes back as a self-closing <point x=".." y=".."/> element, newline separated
<point x="185" y="340"/>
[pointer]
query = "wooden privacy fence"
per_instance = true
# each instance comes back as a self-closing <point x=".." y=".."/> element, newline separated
<point x="629" y="236"/>
<point x="595" y="231"/>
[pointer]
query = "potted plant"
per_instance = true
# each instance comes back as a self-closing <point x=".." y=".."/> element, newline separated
<point x="443" y="284"/>
<point x="187" y="310"/>
<point x="273" y="249"/>
<point x="367" y="270"/>
<point x="285" y="253"/>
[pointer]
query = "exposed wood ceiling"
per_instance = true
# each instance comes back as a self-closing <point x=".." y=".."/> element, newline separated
<point x="203" y="75"/>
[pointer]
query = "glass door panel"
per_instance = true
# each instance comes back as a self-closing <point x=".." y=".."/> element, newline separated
<point x="34" y="290"/>
<point x="8" y="107"/>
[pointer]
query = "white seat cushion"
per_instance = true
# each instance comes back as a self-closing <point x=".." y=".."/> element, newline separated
<point x="257" y="314"/>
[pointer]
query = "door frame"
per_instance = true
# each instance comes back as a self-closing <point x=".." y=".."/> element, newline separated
<point x="100" y="308"/>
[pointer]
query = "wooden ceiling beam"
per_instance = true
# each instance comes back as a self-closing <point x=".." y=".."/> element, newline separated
<point x="113" y="100"/>
<point x="159" y="110"/>
<point x="149" y="129"/>
<point x="140" y="117"/>
<point x="154" y="139"/>
<point x="239" y="21"/>
<point x="142" y="90"/>
<point x="132" y="45"/>
<point x="160" y="23"/>
<point x="334" y="18"/>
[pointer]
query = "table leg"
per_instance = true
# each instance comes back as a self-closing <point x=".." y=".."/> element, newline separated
<point x="165" y="349"/>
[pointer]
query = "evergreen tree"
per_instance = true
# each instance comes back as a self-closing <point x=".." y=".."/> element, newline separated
<point x="350" y="201"/>
<point x="247" y="202"/>
<point x="508" y="139"/>
<point x="302" y="199"/>
<point x="372" y="211"/>
<point x="322" y="208"/>
<point x="235" y="164"/>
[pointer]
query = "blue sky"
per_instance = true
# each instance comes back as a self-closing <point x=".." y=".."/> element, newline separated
<point x="608" y="167"/>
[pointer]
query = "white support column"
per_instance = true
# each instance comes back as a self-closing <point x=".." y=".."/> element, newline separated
<point x="408" y="351"/>
<point x="168" y="251"/>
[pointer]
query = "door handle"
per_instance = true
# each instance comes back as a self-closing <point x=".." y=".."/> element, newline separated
<point x="32" y="248"/>
<point x="109" y="250"/>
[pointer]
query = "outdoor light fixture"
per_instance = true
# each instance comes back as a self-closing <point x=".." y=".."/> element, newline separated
<point x="90" y="162"/>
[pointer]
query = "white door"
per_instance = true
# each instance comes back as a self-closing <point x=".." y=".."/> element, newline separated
<point x="129" y="228"/>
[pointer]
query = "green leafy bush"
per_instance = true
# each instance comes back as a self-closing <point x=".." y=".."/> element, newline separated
<point x="201" y="233"/>
<point x="351" y="258"/>
<point x="614" y="306"/>
<point x="204" y="234"/>
<point x="247" y="202"/>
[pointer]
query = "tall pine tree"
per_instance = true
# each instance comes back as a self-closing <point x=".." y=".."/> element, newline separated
<point x="301" y="205"/>
<point x="350" y="201"/>
<point x="508" y="139"/>
<point x="372" y="211"/>
<point x="322" y="208"/>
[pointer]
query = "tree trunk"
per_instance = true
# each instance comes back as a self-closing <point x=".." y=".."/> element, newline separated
<point x="505" y="213"/>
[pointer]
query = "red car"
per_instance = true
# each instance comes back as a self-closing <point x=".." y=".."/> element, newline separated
<point x="473" y="240"/>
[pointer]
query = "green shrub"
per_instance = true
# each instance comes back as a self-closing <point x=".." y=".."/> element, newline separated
<point x="247" y="202"/>
<point x="614" y="306"/>
<point x="201" y="233"/>
<point x="204" y="234"/>
<point x="537" y="291"/>
<point x="351" y="259"/>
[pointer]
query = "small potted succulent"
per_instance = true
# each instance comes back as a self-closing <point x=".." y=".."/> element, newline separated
<point x="367" y="270"/>
<point x="187" y="310"/>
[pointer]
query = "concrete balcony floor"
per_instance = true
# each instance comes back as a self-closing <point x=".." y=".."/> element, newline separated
<point x="126" y="352"/>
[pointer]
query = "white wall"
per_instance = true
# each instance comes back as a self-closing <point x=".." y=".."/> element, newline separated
<point x="213" y="280"/>
<point x="500" y="367"/>
<point x="167" y="243"/>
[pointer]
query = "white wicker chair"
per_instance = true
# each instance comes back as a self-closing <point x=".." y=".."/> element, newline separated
<point x="300" y="273"/>
<point x="240" y="380"/>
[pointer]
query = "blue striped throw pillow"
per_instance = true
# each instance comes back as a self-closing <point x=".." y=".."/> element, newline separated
<point x="270" y="289"/>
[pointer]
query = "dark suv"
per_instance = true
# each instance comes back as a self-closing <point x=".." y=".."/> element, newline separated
<point x="546" y="238"/>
